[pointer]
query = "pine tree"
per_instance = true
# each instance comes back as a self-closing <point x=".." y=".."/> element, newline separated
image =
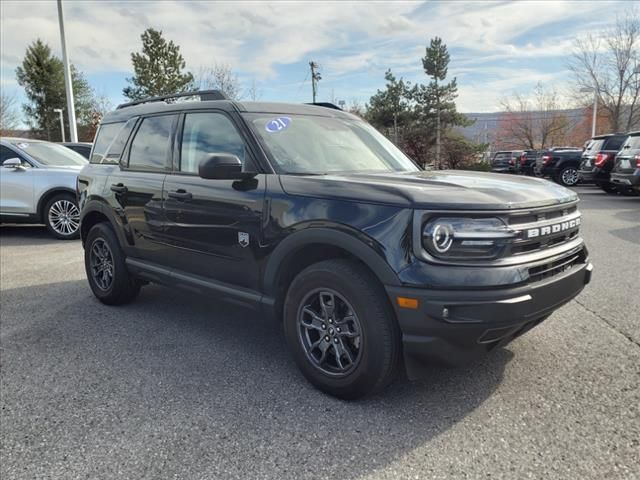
<point x="437" y="99"/>
<point x="158" y="68"/>
<point x="42" y="76"/>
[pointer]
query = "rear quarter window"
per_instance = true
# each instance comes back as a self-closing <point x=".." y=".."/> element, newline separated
<point x="112" y="143"/>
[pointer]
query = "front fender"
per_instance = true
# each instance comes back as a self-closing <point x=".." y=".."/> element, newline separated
<point x="355" y="243"/>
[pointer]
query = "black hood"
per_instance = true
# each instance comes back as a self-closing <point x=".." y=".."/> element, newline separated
<point x="443" y="189"/>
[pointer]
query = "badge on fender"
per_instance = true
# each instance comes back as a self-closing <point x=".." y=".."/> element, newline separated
<point x="243" y="239"/>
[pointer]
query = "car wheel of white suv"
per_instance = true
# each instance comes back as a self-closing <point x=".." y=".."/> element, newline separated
<point x="62" y="217"/>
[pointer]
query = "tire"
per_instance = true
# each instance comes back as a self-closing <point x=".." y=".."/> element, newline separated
<point x="375" y="351"/>
<point x="102" y="251"/>
<point x="629" y="192"/>
<point x="61" y="215"/>
<point x="607" y="187"/>
<point x="568" y="177"/>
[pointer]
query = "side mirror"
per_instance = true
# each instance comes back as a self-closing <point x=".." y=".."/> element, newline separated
<point x="223" y="166"/>
<point x="12" y="163"/>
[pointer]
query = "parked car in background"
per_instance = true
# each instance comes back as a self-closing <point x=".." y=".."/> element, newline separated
<point x="528" y="162"/>
<point x="561" y="164"/>
<point x="506" y="161"/>
<point x="38" y="185"/>
<point x="598" y="158"/>
<point x="625" y="174"/>
<point x="83" y="148"/>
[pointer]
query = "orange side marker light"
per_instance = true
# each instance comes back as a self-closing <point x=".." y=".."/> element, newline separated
<point x="406" y="302"/>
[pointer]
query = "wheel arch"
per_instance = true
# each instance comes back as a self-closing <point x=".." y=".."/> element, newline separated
<point x="48" y="195"/>
<point x="311" y="245"/>
<point x="93" y="213"/>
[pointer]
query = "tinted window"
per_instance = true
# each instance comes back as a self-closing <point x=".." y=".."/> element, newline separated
<point x="83" y="150"/>
<point x="6" y="153"/>
<point x="594" y="146"/>
<point x="205" y="134"/>
<point x="151" y="145"/>
<point x="633" y="142"/>
<point x="614" y="143"/>
<point x="104" y="137"/>
<point x="117" y="146"/>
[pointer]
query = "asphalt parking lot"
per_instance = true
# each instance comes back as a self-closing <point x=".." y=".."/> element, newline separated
<point x="178" y="386"/>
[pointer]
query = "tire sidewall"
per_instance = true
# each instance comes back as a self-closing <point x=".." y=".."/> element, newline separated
<point x="561" y="175"/>
<point x="122" y="285"/>
<point x="45" y="216"/>
<point x="371" y="363"/>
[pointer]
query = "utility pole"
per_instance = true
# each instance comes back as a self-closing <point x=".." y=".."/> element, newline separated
<point x="68" y="85"/>
<point x="315" y="77"/>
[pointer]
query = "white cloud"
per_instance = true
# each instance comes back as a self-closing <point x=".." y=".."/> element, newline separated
<point x="348" y="38"/>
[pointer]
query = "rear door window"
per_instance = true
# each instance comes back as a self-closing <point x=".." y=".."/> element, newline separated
<point x="614" y="143"/>
<point x="151" y="146"/>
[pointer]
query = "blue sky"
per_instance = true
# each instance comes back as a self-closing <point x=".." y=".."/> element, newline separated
<point x="497" y="48"/>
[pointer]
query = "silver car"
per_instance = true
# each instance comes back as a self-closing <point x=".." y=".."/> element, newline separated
<point x="38" y="185"/>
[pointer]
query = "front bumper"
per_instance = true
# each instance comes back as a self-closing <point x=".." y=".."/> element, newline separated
<point x="455" y="327"/>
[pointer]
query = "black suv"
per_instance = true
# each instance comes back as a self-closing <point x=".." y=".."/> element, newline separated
<point x="625" y="174"/>
<point x="597" y="160"/>
<point x="506" y="161"/>
<point x="308" y="215"/>
<point x="561" y="164"/>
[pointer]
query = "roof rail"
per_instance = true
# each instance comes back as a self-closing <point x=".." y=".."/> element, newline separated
<point x="203" y="94"/>
<point x="326" y="105"/>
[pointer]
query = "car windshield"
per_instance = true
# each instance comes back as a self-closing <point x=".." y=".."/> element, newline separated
<point x="51" y="154"/>
<point x="308" y="144"/>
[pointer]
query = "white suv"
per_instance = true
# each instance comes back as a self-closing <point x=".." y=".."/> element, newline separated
<point x="38" y="185"/>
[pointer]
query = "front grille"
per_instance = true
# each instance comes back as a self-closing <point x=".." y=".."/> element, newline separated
<point x="547" y="229"/>
<point x="547" y="270"/>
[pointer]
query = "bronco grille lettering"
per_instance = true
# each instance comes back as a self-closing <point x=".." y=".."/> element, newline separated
<point x="555" y="228"/>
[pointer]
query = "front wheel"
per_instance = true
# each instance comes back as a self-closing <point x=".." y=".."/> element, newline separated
<point x="62" y="217"/>
<point x="341" y="329"/>
<point x="104" y="262"/>
<point x="568" y="177"/>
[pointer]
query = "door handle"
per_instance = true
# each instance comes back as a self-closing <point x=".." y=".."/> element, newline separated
<point x="181" y="195"/>
<point x="118" y="188"/>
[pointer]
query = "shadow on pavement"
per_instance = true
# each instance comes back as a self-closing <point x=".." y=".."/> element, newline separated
<point x="175" y="384"/>
<point x="15" y="235"/>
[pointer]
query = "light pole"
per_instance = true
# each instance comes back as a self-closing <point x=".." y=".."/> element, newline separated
<point x="68" y="84"/>
<point x="595" y="107"/>
<point x="59" y="112"/>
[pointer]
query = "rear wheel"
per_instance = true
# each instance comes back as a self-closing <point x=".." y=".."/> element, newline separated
<point x="341" y="329"/>
<point x="107" y="272"/>
<point x="568" y="176"/>
<point x="62" y="217"/>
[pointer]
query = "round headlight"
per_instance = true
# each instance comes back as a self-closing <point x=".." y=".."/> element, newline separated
<point x="442" y="237"/>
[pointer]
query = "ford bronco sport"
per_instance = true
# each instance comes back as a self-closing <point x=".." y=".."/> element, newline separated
<point x="308" y="215"/>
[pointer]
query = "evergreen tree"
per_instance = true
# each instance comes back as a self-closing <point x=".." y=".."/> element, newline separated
<point x="391" y="108"/>
<point x="42" y="76"/>
<point x="436" y="101"/>
<point x="158" y="69"/>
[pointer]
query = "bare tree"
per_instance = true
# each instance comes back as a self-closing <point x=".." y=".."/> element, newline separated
<point x="609" y="62"/>
<point x="535" y="122"/>
<point x="219" y="77"/>
<point x="9" y="116"/>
